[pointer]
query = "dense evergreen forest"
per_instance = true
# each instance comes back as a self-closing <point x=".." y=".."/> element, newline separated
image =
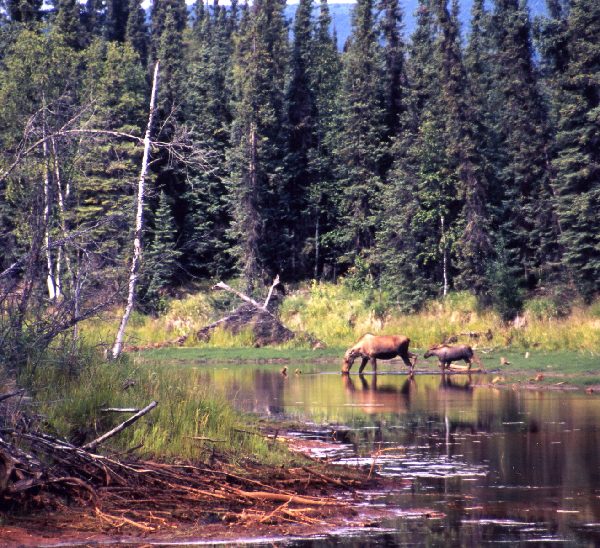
<point x="417" y="165"/>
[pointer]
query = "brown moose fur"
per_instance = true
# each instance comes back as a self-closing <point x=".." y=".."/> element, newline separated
<point x="385" y="347"/>
<point x="447" y="353"/>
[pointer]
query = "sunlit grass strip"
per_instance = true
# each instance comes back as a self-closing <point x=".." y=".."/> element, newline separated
<point x="338" y="316"/>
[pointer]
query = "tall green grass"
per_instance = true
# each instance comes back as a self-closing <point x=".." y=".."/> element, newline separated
<point x="339" y="314"/>
<point x="188" y="408"/>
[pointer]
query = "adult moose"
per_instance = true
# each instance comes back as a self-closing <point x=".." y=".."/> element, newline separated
<point x="446" y="354"/>
<point x="384" y="347"/>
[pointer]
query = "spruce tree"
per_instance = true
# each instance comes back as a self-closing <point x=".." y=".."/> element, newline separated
<point x="550" y="35"/>
<point x="108" y="169"/>
<point x="170" y="173"/>
<point x="393" y="54"/>
<point x="420" y="200"/>
<point x="360" y="148"/>
<point x="117" y="14"/>
<point x="160" y="8"/>
<point x="67" y="23"/>
<point x="23" y="11"/>
<point x="326" y="81"/>
<point x="160" y="262"/>
<point x="93" y="19"/>
<point x="208" y="111"/>
<point x="479" y="55"/>
<point x="527" y="217"/>
<point x="473" y="246"/>
<point x="257" y="141"/>
<point x="577" y="163"/>
<point x="301" y="117"/>
<point x="136" y="31"/>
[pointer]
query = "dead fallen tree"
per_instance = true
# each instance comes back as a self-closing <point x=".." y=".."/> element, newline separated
<point x="260" y="318"/>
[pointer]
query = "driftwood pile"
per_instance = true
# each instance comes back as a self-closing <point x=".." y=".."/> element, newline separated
<point x="41" y="472"/>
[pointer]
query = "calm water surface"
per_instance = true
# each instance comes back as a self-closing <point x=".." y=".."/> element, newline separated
<point x="493" y="466"/>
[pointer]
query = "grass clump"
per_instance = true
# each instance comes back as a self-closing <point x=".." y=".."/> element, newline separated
<point x="338" y="315"/>
<point x="193" y="420"/>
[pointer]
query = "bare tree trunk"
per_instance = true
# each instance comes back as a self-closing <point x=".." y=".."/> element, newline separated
<point x="137" y="239"/>
<point x="444" y="256"/>
<point x="317" y="236"/>
<point x="50" y="281"/>
<point x="61" y="196"/>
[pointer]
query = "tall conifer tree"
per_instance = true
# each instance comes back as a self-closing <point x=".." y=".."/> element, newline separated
<point x="94" y="18"/>
<point x="528" y="220"/>
<point x="116" y="84"/>
<point x="208" y="111"/>
<point x="577" y="163"/>
<point x="360" y="149"/>
<point x="417" y="232"/>
<point x="67" y="23"/>
<point x="136" y="31"/>
<point x="326" y="79"/>
<point x="393" y="55"/>
<point x="160" y="259"/>
<point x="473" y="245"/>
<point x="258" y="143"/>
<point x="301" y="115"/>
<point x="23" y="11"/>
<point x="117" y="13"/>
<point x="160" y="8"/>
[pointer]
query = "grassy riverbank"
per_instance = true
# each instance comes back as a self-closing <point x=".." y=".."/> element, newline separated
<point x="337" y="315"/>
<point x="194" y="421"/>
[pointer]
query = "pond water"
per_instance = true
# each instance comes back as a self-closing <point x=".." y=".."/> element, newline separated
<point x="490" y="466"/>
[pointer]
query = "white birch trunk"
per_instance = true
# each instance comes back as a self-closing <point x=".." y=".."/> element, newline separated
<point x="317" y="236"/>
<point x="444" y="257"/>
<point x="50" y="282"/>
<point x="61" y="209"/>
<point x="137" y="239"/>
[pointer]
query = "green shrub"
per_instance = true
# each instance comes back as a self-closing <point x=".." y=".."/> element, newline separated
<point x="595" y="309"/>
<point x="460" y="301"/>
<point x="541" y="308"/>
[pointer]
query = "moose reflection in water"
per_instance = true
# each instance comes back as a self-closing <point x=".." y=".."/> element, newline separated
<point x="374" y="397"/>
<point x="371" y="396"/>
<point x="373" y="347"/>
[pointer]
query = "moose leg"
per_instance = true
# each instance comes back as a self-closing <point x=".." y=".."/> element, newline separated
<point x="374" y="364"/>
<point x="363" y="364"/>
<point x="406" y="359"/>
<point x="468" y="361"/>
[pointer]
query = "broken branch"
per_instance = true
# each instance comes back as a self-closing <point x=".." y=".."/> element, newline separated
<point x="244" y="297"/>
<point x="93" y="444"/>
